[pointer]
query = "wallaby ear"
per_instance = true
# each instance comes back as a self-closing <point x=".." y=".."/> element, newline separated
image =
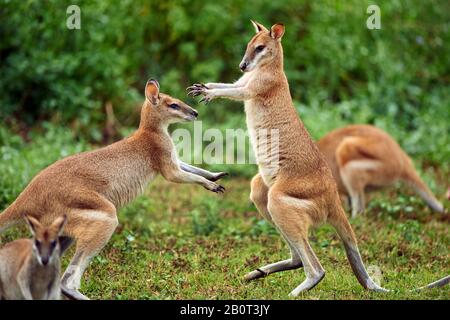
<point x="152" y="91"/>
<point x="64" y="244"/>
<point x="258" y="26"/>
<point x="59" y="223"/>
<point x="33" y="223"/>
<point x="277" y="31"/>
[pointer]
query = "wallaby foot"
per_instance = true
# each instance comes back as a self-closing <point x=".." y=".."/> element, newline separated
<point x="284" y="265"/>
<point x="308" y="284"/>
<point x="73" y="294"/>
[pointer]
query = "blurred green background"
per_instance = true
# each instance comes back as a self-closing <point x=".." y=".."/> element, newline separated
<point x="56" y="84"/>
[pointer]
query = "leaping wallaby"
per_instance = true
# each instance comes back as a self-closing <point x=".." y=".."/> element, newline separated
<point x="90" y="187"/>
<point x="30" y="268"/>
<point x="362" y="157"/>
<point x="300" y="191"/>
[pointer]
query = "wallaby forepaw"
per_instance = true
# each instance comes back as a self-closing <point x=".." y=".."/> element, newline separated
<point x="219" y="189"/>
<point x="206" y="98"/>
<point x="196" y="89"/>
<point x="218" y="176"/>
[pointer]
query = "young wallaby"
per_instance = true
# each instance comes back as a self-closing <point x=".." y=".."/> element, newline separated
<point x="300" y="191"/>
<point x="363" y="157"/>
<point x="90" y="187"/>
<point x="30" y="268"/>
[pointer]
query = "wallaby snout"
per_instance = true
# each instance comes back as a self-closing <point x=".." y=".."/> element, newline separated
<point x="243" y="65"/>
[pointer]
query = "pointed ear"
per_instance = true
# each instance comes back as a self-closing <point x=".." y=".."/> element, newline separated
<point x="152" y="91"/>
<point x="33" y="223"/>
<point x="258" y="26"/>
<point x="59" y="223"/>
<point x="64" y="244"/>
<point x="277" y="31"/>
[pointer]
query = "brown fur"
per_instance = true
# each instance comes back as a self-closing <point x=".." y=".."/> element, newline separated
<point x="91" y="186"/>
<point x="363" y="157"/>
<point x="300" y="193"/>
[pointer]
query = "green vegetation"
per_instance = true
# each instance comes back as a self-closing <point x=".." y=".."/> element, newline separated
<point x="339" y="70"/>
<point x="181" y="241"/>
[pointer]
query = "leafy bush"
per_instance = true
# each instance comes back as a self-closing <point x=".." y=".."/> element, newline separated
<point x="20" y="162"/>
<point x="50" y="71"/>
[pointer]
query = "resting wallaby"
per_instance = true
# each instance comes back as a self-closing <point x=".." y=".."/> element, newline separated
<point x="90" y="187"/>
<point x="30" y="268"/>
<point x="363" y="156"/>
<point x="299" y="192"/>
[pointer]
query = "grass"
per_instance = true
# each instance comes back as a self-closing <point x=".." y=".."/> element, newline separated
<point x="183" y="242"/>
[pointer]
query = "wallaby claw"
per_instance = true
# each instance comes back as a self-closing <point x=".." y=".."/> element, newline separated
<point x="196" y="89"/>
<point x="206" y="99"/>
<point x="219" y="189"/>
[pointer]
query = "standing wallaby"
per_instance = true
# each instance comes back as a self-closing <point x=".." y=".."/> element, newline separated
<point x="363" y="156"/>
<point x="92" y="186"/>
<point x="300" y="191"/>
<point x="30" y="268"/>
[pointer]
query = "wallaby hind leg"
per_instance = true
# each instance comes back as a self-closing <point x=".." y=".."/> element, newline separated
<point x="93" y="230"/>
<point x="291" y="217"/>
<point x="355" y="176"/>
<point x="259" y="196"/>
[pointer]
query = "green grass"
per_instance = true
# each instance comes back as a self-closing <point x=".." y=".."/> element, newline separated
<point x="183" y="242"/>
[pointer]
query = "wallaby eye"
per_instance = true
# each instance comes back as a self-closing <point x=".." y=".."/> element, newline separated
<point x="260" y="48"/>
<point x="53" y="244"/>
<point x="37" y="243"/>
<point x="174" y="106"/>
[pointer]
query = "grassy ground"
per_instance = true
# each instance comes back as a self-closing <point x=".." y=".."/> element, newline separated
<point x="183" y="242"/>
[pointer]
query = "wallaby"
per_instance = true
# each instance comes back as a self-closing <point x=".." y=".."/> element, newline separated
<point x="30" y="268"/>
<point x="300" y="191"/>
<point x="363" y="157"/>
<point x="91" y="186"/>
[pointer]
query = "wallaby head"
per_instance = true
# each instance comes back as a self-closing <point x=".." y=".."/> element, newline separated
<point x="46" y="242"/>
<point x="162" y="108"/>
<point x="264" y="48"/>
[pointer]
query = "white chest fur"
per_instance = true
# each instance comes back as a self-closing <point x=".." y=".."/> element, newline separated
<point x="264" y="140"/>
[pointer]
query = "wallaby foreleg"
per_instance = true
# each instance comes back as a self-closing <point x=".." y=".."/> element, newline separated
<point x="239" y="93"/>
<point x="174" y="173"/>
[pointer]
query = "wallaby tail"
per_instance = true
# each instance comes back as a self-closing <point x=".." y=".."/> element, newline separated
<point x="440" y="283"/>
<point x="412" y="178"/>
<point x="347" y="235"/>
<point x="345" y="232"/>
<point x="7" y="218"/>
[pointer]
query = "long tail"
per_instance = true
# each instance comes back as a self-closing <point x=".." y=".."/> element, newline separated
<point x="412" y="178"/>
<point x="8" y="218"/>
<point x="345" y="232"/>
<point x="440" y="283"/>
<point x="347" y="235"/>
